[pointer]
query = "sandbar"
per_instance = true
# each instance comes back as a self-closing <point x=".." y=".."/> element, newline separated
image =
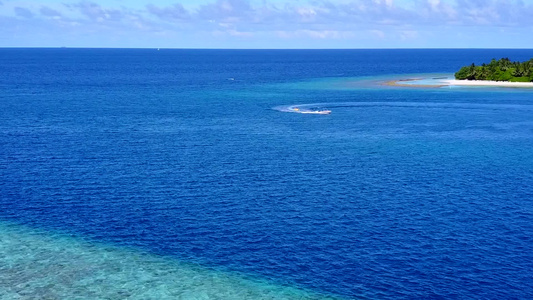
<point x="407" y="83"/>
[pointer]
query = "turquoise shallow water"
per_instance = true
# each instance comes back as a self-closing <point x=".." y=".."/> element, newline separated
<point x="40" y="265"/>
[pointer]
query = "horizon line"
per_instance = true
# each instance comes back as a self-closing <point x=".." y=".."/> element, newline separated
<point x="205" y="48"/>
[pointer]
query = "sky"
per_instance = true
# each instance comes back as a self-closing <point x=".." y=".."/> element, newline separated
<point x="266" y="24"/>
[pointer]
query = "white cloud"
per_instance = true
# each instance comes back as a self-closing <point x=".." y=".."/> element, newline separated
<point x="282" y="19"/>
<point x="379" y="34"/>
<point x="232" y="33"/>
<point x="329" y="14"/>
<point x="387" y="3"/>
<point x="23" y="12"/>
<point x="306" y="12"/>
<point x="49" y="12"/>
<point x="171" y="13"/>
<point x="315" y="34"/>
<point x="434" y="4"/>
<point x="406" y="35"/>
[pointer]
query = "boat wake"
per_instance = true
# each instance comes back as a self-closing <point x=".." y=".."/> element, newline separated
<point x="318" y="108"/>
<point x="303" y="109"/>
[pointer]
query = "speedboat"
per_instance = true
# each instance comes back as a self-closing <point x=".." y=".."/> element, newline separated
<point x="316" y="112"/>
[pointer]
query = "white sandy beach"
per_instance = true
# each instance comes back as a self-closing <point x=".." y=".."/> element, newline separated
<point x="487" y="83"/>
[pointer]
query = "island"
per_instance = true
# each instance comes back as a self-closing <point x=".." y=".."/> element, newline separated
<point x="498" y="73"/>
<point x="498" y="70"/>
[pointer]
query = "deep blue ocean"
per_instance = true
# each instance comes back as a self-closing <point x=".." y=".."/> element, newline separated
<point x="399" y="193"/>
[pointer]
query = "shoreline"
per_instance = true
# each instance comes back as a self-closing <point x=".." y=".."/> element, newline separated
<point x="446" y="82"/>
<point x="488" y="83"/>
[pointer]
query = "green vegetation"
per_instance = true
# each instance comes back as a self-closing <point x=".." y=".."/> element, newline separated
<point x="498" y="70"/>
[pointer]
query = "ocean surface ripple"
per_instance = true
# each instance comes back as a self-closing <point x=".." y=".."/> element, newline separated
<point x="397" y="194"/>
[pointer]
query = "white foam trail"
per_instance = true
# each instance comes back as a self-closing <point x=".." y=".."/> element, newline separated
<point x="318" y="108"/>
<point x="315" y="109"/>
